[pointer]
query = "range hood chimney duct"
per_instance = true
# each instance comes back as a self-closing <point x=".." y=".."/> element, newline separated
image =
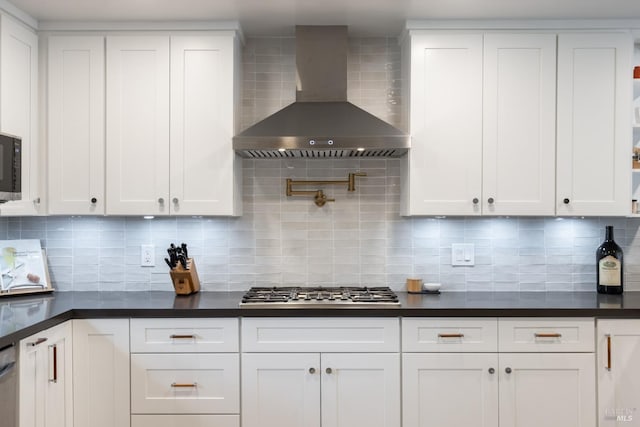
<point x="321" y="123"/>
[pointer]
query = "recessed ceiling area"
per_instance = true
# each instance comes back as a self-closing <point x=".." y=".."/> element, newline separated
<point x="364" y="17"/>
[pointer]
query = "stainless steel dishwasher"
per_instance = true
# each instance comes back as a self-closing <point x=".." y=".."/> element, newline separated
<point x="8" y="387"/>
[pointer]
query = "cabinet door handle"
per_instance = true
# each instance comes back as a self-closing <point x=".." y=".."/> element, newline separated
<point x="37" y="342"/>
<point x="182" y="337"/>
<point x="566" y="201"/>
<point x="508" y="370"/>
<point x="547" y="335"/>
<point x="312" y="370"/>
<point x="94" y="200"/>
<point x="458" y="335"/>
<point x="161" y="200"/>
<point x="184" y="385"/>
<point x="491" y="370"/>
<point x="608" y="352"/>
<point x="175" y="200"/>
<point x="328" y="370"/>
<point x="475" y="201"/>
<point x="54" y="349"/>
<point x="490" y="200"/>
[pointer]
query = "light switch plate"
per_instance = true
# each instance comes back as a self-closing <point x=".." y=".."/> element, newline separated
<point x="463" y="254"/>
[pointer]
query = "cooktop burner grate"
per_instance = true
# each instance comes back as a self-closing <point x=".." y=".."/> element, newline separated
<point x="295" y="297"/>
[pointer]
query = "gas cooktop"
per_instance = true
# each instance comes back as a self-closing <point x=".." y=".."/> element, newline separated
<point x="319" y="297"/>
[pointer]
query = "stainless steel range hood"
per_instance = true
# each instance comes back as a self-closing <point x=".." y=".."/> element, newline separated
<point x="321" y="123"/>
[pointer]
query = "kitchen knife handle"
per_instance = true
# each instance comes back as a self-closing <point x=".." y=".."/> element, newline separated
<point x="608" y="352"/>
<point x="54" y="349"/>
<point x="184" y="385"/>
<point x="37" y="342"/>
<point x="548" y="335"/>
<point x="459" y="335"/>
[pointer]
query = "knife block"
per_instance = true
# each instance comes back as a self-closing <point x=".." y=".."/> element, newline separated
<point x="185" y="282"/>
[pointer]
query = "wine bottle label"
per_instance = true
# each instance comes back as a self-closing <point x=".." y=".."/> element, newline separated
<point x="610" y="271"/>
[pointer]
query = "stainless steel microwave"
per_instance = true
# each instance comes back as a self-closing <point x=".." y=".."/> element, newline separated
<point x="10" y="168"/>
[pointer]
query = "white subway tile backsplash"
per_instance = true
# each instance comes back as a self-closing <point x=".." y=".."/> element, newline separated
<point x="359" y="239"/>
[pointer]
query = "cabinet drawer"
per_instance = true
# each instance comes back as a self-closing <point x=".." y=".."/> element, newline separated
<point x="449" y="335"/>
<point x="320" y="334"/>
<point x="188" y="335"/>
<point x="185" y="384"/>
<point x="546" y="335"/>
<point x="185" y="420"/>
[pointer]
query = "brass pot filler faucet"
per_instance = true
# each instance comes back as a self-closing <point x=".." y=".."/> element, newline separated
<point x="319" y="198"/>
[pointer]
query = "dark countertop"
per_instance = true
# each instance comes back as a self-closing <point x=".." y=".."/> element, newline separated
<point x="22" y="316"/>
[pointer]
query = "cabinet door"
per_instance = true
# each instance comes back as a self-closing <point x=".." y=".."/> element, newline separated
<point x="281" y="390"/>
<point x="203" y="164"/>
<point x="32" y="371"/>
<point x="19" y="107"/>
<point x="594" y="128"/>
<point x="545" y="389"/>
<point x="360" y="389"/>
<point x="519" y="124"/>
<point x="618" y="372"/>
<point x="59" y="385"/>
<point x="46" y="396"/>
<point x="76" y="125"/>
<point x="101" y="372"/>
<point x="450" y="389"/>
<point x="444" y="163"/>
<point x="137" y="143"/>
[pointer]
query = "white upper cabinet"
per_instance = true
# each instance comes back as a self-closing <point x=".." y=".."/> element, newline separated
<point x="594" y="128"/>
<point x="519" y="124"/>
<point x="76" y="125"/>
<point x="137" y="114"/>
<point x="19" y="107"/>
<point x="171" y="105"/>
<point x="444" y="171"/>
<point x="204" y="169"/>
<point x="482" y="120"/>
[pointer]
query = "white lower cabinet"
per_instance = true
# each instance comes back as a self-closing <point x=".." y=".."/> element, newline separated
<point x="618" y="372"/>
<point x="185" y="372"/>
<point x="101" y="372"/>
<point x="311" y="387"/>
<point x="450" y="389"/>
<point x="547" y="389"/>
<point x="46" y="396"/>
<point x="541" y="387"/>
<point x="185" y="420"/>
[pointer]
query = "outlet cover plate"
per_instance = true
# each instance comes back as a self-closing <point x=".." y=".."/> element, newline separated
<point x="147" y="256"/>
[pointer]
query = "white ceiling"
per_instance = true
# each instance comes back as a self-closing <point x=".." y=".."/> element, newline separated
<point x="364" y="17"/>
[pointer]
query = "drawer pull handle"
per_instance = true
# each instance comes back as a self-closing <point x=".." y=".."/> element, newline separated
<point x="608" y="352"/>
<point x="184" y="385"/>
<point x="182" y="337"/>
<point x="54" y="349"/>
<point x="460" y="335"/>
<point x="548" y="335"/>
<point x="37" y="342"/>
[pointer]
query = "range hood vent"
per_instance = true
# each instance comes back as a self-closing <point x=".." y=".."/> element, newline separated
<point x="321" y="123"/>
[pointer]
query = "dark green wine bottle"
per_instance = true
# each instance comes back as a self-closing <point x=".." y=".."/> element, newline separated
<point x="609" y="265"/>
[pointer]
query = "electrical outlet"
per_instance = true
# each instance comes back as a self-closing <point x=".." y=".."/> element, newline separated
<point x="463" y="254"/>
<point x="147" y="256"/>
